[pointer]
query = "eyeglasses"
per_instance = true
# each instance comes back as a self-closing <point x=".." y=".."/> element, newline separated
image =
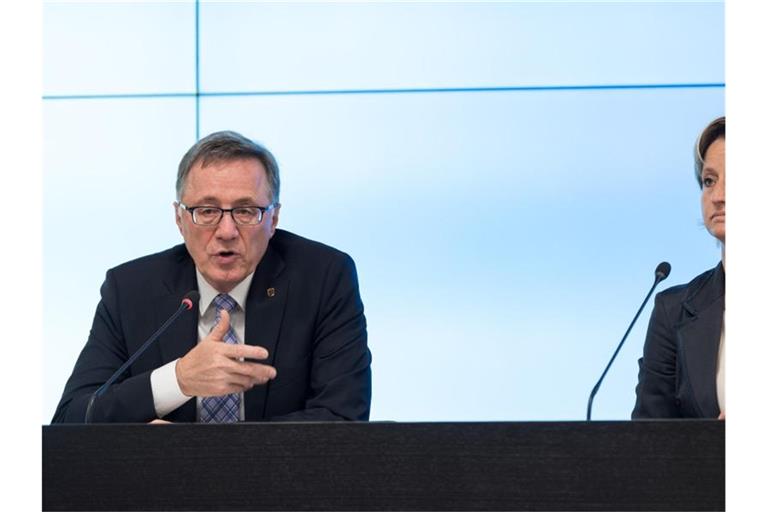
<point x="242" y="215"/>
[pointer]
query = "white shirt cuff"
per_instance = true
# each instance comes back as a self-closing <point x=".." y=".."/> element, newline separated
<point x="165" y="389"/>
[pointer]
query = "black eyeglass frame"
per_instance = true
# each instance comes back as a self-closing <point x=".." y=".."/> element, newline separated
<point x="261" y="209"/>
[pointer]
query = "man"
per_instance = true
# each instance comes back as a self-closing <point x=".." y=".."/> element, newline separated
<point x="279" y="332"/>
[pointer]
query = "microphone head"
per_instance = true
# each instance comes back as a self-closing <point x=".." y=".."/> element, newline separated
<point x="190" y="299"/>
<point x="662" y="271"/>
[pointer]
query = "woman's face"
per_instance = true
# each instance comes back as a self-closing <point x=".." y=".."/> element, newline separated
<point x="713" y="189"/>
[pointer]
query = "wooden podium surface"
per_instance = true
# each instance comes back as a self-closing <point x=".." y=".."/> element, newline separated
<point x="642" y="465"/>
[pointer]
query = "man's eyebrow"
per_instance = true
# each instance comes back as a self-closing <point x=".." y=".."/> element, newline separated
<point x="246" y="201"/>
<point x="209" y="200"/>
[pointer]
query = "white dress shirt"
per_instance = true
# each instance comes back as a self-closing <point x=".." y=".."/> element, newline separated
<point x="720" y="379"/>
<point x="165" y="388"/>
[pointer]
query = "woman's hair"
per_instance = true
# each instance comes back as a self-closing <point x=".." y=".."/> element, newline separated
<point x="713" y="131"/>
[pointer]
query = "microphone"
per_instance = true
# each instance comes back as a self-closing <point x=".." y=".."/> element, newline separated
<point x="662" y="272"/>
<point x="187" y="303"/>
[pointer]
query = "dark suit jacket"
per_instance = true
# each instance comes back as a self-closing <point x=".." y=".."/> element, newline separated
<point x="313" y="327"/>
<point x="679" y="364"/>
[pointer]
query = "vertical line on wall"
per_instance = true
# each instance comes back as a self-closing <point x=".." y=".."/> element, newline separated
<point x="197" y="70"/>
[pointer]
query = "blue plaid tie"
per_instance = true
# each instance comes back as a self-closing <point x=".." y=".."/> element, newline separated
<point x="226" y="408"/>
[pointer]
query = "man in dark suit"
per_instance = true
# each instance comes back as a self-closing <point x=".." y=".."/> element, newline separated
<point x="279" y="332"/>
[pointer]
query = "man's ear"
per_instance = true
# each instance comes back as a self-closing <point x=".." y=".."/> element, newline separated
<point x="275" y="219"/>
<point x="177" y="215"/>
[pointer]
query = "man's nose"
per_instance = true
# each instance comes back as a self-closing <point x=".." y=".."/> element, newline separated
<point x="227" y="229"/>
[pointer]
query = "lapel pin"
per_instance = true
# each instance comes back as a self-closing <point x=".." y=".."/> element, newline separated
<point x="270" y="292"/>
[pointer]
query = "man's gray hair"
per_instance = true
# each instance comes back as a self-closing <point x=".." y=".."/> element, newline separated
<point x="226" y="146"/>
<point x="714" y="130"/>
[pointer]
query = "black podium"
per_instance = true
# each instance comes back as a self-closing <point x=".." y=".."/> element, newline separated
<point x="654" y="465"/>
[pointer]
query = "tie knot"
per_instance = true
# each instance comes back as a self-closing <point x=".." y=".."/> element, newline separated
<point x="224" y="301"/>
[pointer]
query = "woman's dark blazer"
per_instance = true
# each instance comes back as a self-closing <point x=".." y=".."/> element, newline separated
<point x="679" y="364"/>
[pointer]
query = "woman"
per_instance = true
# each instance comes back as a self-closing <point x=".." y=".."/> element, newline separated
<point x="682" y="371"/>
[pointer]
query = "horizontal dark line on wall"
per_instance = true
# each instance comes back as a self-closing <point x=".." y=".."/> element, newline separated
<point x="118" y="96"/>
<point x="385" y="91"/>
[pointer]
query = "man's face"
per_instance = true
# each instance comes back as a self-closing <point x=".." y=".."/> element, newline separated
<point x="713" y="189"/>
<point x="226" y="253"/>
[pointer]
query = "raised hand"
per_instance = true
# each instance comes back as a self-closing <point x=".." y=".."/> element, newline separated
<point x="215" y="368"/>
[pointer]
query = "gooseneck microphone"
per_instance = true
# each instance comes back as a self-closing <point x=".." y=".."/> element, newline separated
<point x="662" y="272"/>
<point x="187" y="304"/>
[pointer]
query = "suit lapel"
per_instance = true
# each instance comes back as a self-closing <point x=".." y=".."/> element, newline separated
<point x="699" y="338"/>
<point x="265" y="304"/>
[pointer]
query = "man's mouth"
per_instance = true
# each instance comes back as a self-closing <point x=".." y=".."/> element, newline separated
<point x="225" y="256"/>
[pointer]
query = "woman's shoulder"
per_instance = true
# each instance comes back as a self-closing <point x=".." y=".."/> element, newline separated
<point x="707" y="282"/>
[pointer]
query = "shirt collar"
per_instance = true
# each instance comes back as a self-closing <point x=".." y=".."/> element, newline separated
<point x="208" y="292"/>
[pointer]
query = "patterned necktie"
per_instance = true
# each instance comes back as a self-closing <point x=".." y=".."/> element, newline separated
<point x="225" y="408"/>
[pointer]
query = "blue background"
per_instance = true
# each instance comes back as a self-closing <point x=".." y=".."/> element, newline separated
<point x="505" y="175"/>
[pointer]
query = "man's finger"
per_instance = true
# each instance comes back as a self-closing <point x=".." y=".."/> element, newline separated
<point x="232" y="383"/>
<point x="246" y="352"/>
<point x="259" y="373"/>
<point x="239" y="383"/>
<point x="221" y="328"/>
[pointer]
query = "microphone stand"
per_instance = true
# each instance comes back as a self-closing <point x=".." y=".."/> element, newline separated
<point x="662" y="271"/>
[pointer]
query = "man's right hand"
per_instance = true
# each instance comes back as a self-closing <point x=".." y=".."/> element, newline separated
<point x="215" y="368"/>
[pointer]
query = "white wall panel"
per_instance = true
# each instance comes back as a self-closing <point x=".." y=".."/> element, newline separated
<point x="278" y="46"/>
<point x="118" y="47"/>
